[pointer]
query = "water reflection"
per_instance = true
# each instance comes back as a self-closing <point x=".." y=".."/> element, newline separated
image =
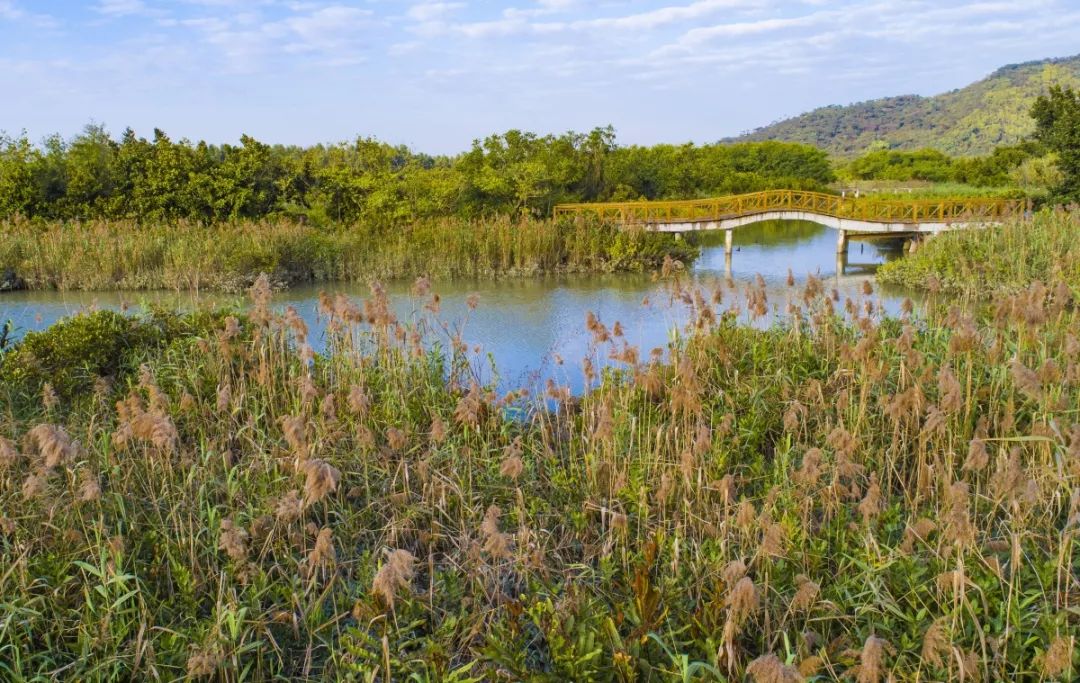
<point x="527" y="326"/>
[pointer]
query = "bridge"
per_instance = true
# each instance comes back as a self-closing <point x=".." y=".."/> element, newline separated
<point x="851" y="216"/>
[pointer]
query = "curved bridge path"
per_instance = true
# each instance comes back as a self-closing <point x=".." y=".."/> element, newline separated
<point x="850" y="216"/>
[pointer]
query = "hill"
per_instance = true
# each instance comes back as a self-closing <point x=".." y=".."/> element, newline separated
<point x="964" y="122"/>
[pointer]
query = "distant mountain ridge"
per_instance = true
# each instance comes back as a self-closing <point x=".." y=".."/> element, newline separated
<point x="965" y="122"/>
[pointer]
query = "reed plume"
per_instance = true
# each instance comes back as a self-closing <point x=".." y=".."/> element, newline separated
<point x="323" y="555"/>
<point x="806" y="595"/>
<point x="872" y="660"/>
<point x="53" y="445"/>
<point x="203" y="662"/>
<point x="496" y="543"/>
<point x="396" y="574"/>
<point x="289" y="507"/>
<point x="320" y="480"/>
<point x="769" y="669"/>
<point x="89" y="487"/>
<point x="9" y="455"/>
<point x="35" y="485"/>
<point x="936" y="643"/>
<point x="233" y="540"/>
<point x="977" y="457"/>
<point x="1056" y="661"/>
<point x="512" y="465"/>
<point x="49" y="399"/>
<point x="294" y="429"/>
<point x="359" y="401"/>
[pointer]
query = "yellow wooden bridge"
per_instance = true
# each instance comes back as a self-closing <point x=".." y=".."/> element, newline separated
<point x="849" y="215"/>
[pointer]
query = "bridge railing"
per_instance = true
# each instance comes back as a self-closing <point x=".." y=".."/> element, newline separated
<point x="967" y="210"/>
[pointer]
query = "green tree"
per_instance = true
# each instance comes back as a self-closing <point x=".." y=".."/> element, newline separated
<point x="246" y="181"/>
<point x="164" y="189"/>
<point x="90" y="163"/>
<point x="129" y="168"/>
<point x="50" y="170"/>
<point x="924" y="164"/>
<point x="1057" y="125"/>
<point x="18" y="192"/>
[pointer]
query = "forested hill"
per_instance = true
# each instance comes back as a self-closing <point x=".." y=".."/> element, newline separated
<point x="969" y="121"/>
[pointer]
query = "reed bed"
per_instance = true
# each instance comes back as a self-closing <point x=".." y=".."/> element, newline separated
<point x="111" y="255"/>
<point x="869" y="500"/>
<point x="996" y="259"/>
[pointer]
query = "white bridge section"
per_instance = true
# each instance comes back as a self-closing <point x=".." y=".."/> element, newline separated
<point x="844" y="225"/>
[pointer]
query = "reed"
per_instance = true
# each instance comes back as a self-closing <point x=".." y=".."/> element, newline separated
<point x="111" y="255"/>
<point x="996" y="259"/>
<point x="875" y="499"/>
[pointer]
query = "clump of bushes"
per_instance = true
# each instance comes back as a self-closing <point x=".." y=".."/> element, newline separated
<point x="77" y="353"/>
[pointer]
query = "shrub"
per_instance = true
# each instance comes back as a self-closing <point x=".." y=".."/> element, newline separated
<point x="74" y="353"/>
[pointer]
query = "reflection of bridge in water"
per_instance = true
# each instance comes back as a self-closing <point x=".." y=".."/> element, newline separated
<point x="849" y="266"/>
<point x="851" y="217"/>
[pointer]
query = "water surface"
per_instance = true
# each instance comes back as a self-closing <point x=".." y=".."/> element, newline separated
<point x="528" y="326"/>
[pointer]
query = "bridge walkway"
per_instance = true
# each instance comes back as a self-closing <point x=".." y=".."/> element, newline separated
<point x="850" y="216"/>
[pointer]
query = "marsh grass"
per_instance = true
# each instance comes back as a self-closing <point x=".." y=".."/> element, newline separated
<point x="115" y="255"/>
<point x="995" y="260"/>
<point x="877" y="499"/>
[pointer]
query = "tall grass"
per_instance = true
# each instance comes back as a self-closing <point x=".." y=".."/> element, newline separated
<point x="890" y="499"/>
<point x="995" y="259"/>
<point x="122" y="255"/>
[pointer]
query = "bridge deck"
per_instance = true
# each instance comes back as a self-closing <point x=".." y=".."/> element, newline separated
<point x="717" y="212"/>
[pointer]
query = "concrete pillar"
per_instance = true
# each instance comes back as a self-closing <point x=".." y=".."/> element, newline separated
<point x="728" y="242"/>
<point x="841" y="262"/>
<point x="841" y="242"/>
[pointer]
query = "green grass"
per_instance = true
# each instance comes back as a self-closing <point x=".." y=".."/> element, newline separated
<point x="186" y="256"/>
<point x="883" y="499"/>
<point x="988" y="262"/>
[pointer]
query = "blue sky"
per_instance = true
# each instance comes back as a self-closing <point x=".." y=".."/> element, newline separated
<point x="437" y="74"/>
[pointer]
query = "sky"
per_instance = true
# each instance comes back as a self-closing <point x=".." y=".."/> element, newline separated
<point x="437" y="74"/>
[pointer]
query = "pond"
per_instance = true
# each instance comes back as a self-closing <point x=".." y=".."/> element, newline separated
<point x="525" y="326"/>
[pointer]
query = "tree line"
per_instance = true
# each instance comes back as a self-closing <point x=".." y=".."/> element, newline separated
<point x="1026" y="166"/>
<point x="94" y="176"/>
<point x="521" y="174"/>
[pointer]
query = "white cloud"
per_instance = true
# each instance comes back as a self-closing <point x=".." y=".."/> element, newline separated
<point x="333" y="33"/>
<point x="430" y="11"/>
<point x="551" y="64"/>
<point x="747" y="28"/>
<point x="669" y="15"/>
<point x="121" y="8"/>
<point x="328" y="28"/>
<point x="515" y="20"/>
<point x="557" y="5"/>
<point x="9" y="11"/>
